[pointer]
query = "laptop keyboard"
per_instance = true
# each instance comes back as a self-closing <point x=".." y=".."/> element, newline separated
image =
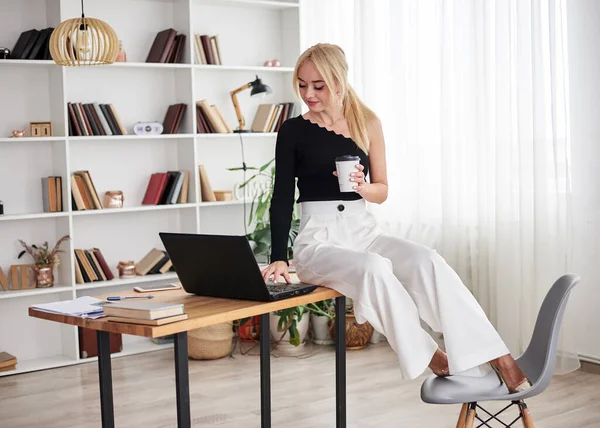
<point x="278" y="287"/>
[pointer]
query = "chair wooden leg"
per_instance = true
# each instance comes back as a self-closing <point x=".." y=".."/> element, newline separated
<point x="463" y="416"/>
<point x="471" y="412"/>
<point x="526" y="415"/>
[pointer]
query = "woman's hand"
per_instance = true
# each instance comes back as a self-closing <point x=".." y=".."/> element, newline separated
<point x="276" y="269"/>
<point x="359" y="178"/>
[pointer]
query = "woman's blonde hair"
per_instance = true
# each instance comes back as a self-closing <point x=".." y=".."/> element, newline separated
<point x="330" y="62"/>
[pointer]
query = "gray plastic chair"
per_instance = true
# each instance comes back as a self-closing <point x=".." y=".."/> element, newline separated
<point x="537" y="362"/>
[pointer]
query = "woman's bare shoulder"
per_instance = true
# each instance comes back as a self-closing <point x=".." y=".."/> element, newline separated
<point x="374" y="127"/>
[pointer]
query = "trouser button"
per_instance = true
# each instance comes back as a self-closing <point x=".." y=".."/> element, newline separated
<point x="341" y="207"/>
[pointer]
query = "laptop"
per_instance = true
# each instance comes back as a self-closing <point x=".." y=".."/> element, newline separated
<point x="223" y="266"/>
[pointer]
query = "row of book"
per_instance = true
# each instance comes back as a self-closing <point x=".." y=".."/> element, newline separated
<point x="207" y="49"/>
<point x="87" y="119"/>
<point x="33" y="44"/>
<point x="91" y="266"/>
<point x="83" y="192"/>
<point x="167" y="47"/>
<point x="52" y="200"/>
<point x="170" y="187"/>
<point x="209" y="119"/>
<point x="269" y="117"/>
<point x="165" y="188"/>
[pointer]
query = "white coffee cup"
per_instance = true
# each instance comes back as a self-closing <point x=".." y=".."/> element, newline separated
<point x="345" y="165"/>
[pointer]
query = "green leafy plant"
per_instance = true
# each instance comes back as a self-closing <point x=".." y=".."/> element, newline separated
<point x="43" y="255"/>
<point x="259" y="211"/>
<point x="289" y="319"/>
<point x="324" y="308"/>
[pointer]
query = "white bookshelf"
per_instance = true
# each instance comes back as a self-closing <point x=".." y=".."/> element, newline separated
<point x="250" y="32"/>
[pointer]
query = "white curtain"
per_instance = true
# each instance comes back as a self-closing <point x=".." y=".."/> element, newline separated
<point x="473" y="96"/>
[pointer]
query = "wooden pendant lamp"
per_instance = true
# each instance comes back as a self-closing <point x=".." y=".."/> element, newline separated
<point x="84" y="41"/>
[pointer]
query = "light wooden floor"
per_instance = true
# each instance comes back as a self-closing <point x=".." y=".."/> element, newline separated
<point x="225" y="393"/>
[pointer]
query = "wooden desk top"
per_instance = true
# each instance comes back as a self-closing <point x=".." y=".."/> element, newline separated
<point x="202" y="311"/>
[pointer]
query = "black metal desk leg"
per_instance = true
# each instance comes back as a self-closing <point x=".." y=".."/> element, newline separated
<point x="105" y="379"/>
<point x="265" y="372"/>
<point x="340" y="362"/>
<point x="182" y="380"/>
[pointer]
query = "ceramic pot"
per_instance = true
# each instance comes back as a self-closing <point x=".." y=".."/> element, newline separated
<point x="283" y="339"/>
<point x="320" y="330"/>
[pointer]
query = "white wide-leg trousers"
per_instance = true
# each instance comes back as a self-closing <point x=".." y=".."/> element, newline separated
<point x="394" y="283"/>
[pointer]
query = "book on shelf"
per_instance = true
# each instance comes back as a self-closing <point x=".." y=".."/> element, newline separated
<point x="167" y="47"/>
<point x="209" y="119"/>
<point x="207" y="50"/>
<point x="83" y="191"/>
<point x="91" y="266"/>
<point x="155" y="262"/>
<point x="173" y="117"/>
<point x="33" y="44"/>
<point x="7" y="362"/>
<point x="87" y="119"/>
<point x="269" y="117"/>
<point x="52" y="199"/>
<point x="165" y="188"/>
<point x="206" y="191"/>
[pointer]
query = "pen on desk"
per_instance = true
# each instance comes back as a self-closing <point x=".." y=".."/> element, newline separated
<point x="111" y="298"/>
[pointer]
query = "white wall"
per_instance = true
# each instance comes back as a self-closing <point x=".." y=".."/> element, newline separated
<point x="584" y="61"/>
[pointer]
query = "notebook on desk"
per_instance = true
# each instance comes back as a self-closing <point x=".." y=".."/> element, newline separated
<point x="143" y="309"/>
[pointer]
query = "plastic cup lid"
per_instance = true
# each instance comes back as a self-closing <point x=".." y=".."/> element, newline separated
<point x="347" y="158"/>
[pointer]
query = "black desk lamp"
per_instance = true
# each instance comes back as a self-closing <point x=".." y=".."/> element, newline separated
<point x="258" y="88"/>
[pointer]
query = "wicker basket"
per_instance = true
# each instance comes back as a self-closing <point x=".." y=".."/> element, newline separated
<point x="357" y="335"/>
<point x="210" y="343"/>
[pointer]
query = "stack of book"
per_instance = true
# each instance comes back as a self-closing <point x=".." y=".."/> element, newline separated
<point x="209" y="119"/>
<point x="167" y="47"/>
<point x="155" y="262"/>
<point x="173" y="118"/>
<point x="207" y="49"/>
<point x="90" y="266"/>
<point x="147" y="312"/>
<point x="269" y="117"/>
<point x="7" y="362"/>
<point x="84" y="194"/>
<point x="94" y="119"/>
<point x="165" y="188"/>
<point x="52" y="194"/>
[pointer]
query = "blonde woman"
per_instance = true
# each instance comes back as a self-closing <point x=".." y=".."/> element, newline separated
<point x="393" y="282"/>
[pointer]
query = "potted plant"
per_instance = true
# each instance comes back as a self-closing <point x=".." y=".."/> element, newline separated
<point x="289" y="328"/>
<point x="321" y="316"/>
<point x="45" y="261"/>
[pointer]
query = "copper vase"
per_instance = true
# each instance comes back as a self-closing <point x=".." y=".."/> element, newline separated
<point x="44" y="275"/>
<point x="126" y="269"/>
